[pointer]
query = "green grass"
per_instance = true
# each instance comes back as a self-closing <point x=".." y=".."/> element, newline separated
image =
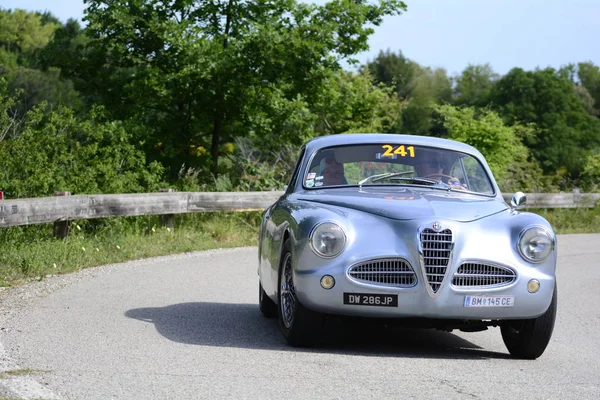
<point x="30" y="252"/>
<point x="572" y="220"/>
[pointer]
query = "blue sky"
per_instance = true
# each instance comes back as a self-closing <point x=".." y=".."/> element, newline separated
<point x="453" y="33"/>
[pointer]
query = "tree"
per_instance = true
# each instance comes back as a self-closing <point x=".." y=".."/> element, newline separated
<point x="32" y="87"/>
<point x="501" y="145"/>
<point x="589" y="78"/>
<point x="351" y="102"/>
<point x="196" y="72"/>
<point x="354" y="103"/>
<point x="9" y="122"/>
<point x="473" y="86"/>
<point x="567" y="133"/>
<point x="65" y="50"/>
<point x="420" y="87"/>
<point x="22" y="33"/>
<point x="431" y="87"/>
<point x="394" y="70"/>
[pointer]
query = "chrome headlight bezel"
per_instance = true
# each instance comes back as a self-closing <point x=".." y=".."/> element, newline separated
<point x="530" y="233"/>
<point x="322" y="227"/>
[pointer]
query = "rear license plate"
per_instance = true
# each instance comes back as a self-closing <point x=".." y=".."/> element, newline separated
<point x="365" y="299"/>
<point x="489" y="301"/>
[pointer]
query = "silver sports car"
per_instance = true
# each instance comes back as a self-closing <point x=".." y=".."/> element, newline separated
<point x="408" y="228"/>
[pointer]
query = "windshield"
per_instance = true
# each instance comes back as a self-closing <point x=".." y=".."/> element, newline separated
<point x="400" y="164"/>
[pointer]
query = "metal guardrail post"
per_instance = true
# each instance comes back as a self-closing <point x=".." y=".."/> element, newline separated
<point x="61" y="228"/>
<point x="576" y="196"/>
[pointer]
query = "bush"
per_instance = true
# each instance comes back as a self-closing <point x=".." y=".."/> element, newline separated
<point x="56" y="151"/>
<point x="590" y="178"/>
<point x="501" y="145"/>
<point x="256" y="168"/>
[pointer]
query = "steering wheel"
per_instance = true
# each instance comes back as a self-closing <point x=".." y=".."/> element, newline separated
<point x="448" y="179"/>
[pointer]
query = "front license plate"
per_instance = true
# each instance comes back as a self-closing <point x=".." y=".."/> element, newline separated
<point x="365" y="299"/>
<point x="489" y="301"/>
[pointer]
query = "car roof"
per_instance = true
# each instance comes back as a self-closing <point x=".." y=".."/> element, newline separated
<point x="373" y="138"/>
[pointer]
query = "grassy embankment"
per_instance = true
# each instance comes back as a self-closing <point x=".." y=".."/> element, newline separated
<point x="32" y="253"/>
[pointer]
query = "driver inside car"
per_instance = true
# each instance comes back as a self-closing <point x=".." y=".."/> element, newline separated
<point x="434" y="169"/>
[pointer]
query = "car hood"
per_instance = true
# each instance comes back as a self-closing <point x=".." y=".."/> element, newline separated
<point x="408" y="203"/>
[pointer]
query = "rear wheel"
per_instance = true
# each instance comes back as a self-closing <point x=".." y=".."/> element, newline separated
<point x="528" y="338"/>
<point x="266" y="305"/>
<point x="299" y="325"/>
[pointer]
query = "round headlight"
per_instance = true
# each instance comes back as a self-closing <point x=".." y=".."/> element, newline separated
<point x="536" y="244"/>
<point x="328" y="239"/>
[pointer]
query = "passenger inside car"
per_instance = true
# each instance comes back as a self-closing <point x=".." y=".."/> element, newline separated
<point x="333" y="172"/>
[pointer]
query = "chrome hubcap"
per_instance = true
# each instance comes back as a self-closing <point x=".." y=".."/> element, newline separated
<point x="287" y="300"/>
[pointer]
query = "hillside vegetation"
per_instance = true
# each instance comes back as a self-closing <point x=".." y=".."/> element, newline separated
<point x="212" y="95"/>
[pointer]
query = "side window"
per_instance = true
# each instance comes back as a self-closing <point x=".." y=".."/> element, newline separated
<point x="296" y="171"/>
<point x="477" y="177"/>
<point x="457" y="171"/>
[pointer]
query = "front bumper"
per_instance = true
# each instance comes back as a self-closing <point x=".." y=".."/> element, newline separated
<point x="417" y="301"/>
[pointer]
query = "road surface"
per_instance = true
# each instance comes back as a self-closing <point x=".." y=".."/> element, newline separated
<point x="188" y="327"/>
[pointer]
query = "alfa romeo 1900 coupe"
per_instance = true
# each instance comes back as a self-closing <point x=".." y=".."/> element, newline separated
<point x="406" y="228"/>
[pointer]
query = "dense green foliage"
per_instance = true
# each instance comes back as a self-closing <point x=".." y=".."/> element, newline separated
<point x="501" y="145"/>
<point x="57" y="151"/>
<point x="21" y="34"/>
<point x="219" y="95"/>
<point x="420" y="87"/>
<point x="566" y="132"/>
<point x="203" y="73"/>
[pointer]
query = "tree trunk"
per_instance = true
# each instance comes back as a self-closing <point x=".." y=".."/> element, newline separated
<point x="219" y="115"/>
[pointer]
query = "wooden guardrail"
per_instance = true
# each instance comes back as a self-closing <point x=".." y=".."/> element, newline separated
<point x="558" y="200"/>
<point x="64" y="207"/>
<point x="68" y="208"/>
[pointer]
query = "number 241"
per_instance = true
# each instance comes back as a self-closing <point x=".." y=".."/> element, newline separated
<point x="400" y="150"/>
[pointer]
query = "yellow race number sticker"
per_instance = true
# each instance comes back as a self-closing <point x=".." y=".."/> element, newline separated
<point x="401" y="151"/>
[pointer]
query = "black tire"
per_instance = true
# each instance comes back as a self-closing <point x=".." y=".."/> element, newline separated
<point x="527" y="339"/>
<point x="266" y="305"/>
<point x="299" y="325"/>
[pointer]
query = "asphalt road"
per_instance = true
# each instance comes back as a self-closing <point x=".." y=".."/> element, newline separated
<point x="188" y="327"/>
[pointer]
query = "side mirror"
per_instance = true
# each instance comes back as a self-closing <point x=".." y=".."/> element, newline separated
<point x="518" y="199"/>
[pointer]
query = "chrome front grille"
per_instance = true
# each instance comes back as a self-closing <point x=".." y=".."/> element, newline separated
<point x="436" y="247"/>
<point x="392" y="272"/>
<point x="476" y="274"/>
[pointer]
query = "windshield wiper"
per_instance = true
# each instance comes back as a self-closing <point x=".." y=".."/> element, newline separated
<point x="423" y="180"/>
<point x="396" y="176"/>
<point x="379" y="177"/>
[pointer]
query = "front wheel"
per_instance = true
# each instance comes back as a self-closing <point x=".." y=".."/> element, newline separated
<point x="528" y="338"/>
<point x="299" y="325"/>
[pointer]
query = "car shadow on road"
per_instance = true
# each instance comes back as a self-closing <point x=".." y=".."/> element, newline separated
<point x="243" y="326"/>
